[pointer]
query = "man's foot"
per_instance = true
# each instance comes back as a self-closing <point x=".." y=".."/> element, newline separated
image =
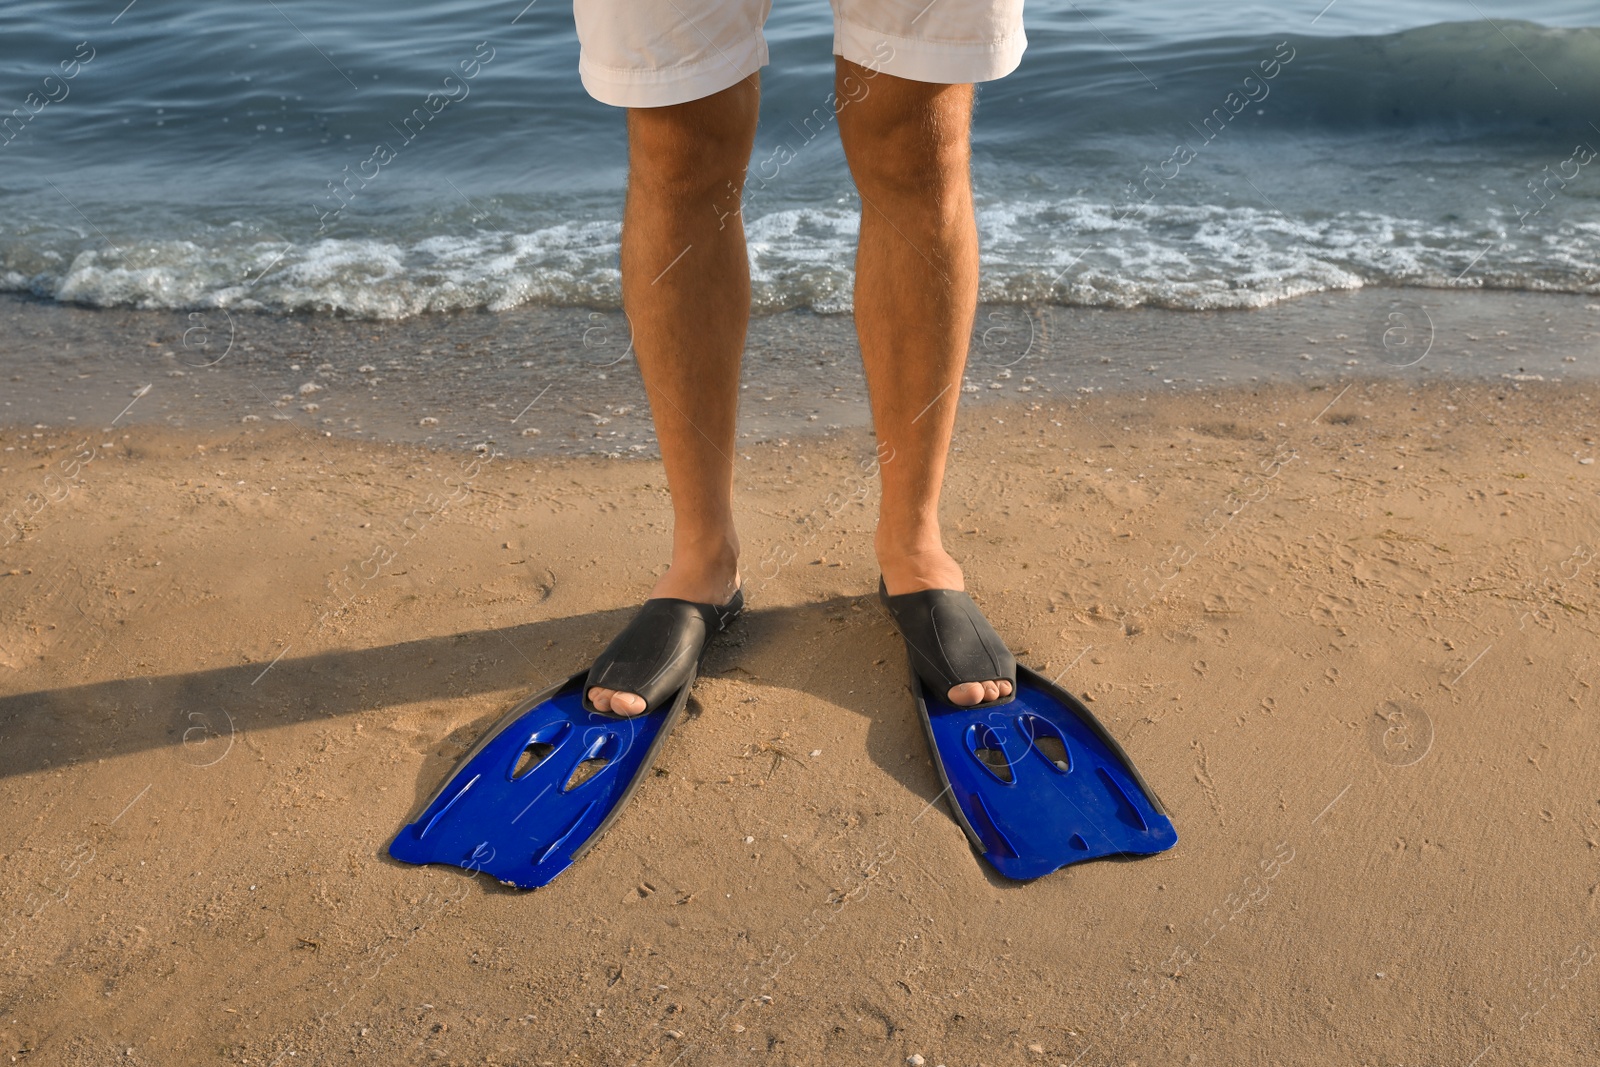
<point x="912" y="572"/>
<point x="702" y="578"/>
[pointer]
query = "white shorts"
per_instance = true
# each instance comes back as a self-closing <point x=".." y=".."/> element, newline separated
<point x="651" y="53"/>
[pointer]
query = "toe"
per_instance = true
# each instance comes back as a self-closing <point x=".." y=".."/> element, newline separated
<point x="627" y="703"/>
<point x="600" y="698"/>
<point x="1005" y="687"/>
<point x="966" y="694"/>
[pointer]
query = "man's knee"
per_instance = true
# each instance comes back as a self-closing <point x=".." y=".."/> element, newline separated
<point x="910" y="165"/>
<point x="693" y="147"/>
<point x="913" y="142"/>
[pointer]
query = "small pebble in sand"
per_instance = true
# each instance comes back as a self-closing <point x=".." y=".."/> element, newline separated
<point x="816" y="752"/>
<point x="915" y="1059"/>
<point x="427" y="420"/>
<point x="749" y="840"/>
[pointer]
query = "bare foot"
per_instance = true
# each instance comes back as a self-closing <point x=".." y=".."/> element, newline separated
<point x="932" y="568"/>
<point x="708" y="577"/>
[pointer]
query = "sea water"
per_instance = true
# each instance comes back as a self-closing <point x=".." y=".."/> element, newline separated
<point x="391" y="161"/>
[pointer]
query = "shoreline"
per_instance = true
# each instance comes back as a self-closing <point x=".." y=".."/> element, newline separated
<point x="548" y="381"/>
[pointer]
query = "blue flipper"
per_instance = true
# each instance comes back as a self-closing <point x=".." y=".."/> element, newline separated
<point x="545" y="782"/>
<point x="1037" y="782"/>
<point x="526" y="828"/>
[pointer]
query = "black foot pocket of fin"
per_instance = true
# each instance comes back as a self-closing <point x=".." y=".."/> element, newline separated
<point x="949" y="641"/>
<point x="660" y="648"/>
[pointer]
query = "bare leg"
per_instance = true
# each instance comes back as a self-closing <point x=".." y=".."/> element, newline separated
<point x="915" y="297"/>
<point x="686" y="291"/>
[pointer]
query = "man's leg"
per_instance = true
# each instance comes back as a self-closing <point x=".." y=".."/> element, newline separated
<point x="686" y="291"/>
<point x="915" y="297"/>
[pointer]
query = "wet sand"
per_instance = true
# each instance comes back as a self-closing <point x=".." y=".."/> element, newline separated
<point x="1347" y="628"/>
<point x="561" y="381"/>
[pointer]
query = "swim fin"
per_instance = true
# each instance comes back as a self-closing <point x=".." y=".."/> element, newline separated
<point x="540" y="788"/>
<point x="1038" y="783"/>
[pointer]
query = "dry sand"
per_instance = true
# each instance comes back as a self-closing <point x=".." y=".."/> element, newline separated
<point x="1350" y="638"/>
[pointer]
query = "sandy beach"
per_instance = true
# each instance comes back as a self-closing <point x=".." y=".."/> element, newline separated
<point x="1348" y="632"/>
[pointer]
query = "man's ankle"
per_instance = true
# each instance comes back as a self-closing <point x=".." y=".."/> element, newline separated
<point x="707" y="548"/>
<point x="924" y="544"/>
<point x="926" y="568"/>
